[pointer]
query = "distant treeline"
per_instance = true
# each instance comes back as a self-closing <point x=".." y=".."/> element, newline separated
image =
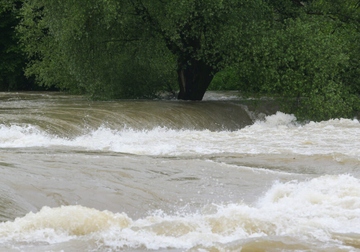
<point x="306" y="53"/>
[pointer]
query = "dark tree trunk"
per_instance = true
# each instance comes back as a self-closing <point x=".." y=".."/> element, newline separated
<point x="194" y="79"/>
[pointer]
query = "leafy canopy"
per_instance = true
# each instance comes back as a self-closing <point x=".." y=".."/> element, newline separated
<point x="305" y="52"/>
<point x="133" y="48"/>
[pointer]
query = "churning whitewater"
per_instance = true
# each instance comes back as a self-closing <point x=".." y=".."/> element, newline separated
<point x="326" y="209"/>
<point x="217" y="175"/>
<point x="279" y="133"/>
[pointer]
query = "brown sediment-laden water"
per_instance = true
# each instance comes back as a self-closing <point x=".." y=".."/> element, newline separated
<point x="163" y="175"/>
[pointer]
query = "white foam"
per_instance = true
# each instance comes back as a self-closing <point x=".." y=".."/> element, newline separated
<point x="279" y="133"/>
<point x="278" y="119"/>
<point x="221" y="95"/>
<point x="60" y="224"/>
<point x="24" y="136"/>
<point x="315" y="209"/>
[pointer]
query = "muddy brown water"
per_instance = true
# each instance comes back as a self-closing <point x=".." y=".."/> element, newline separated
<point x="163" y="175"/>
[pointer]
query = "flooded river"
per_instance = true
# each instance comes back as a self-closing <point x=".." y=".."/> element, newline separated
<point x="216" y="175"/>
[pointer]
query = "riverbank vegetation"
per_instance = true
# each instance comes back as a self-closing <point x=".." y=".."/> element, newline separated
<point x="306" y="53"/>
<point x="11" y="52"/>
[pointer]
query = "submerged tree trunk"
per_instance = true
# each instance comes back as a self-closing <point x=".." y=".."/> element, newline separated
<point x="194" y="78"/>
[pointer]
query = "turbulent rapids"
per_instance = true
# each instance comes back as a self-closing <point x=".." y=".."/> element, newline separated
<point x="217" y="175"/>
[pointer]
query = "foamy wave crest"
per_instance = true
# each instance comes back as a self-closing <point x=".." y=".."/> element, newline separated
<point x="278" y="134"/>
<point x="279" y="119"/>
<point x="324" y="209"/>
<point x="61" y="224"/>
<point x="24" y="136"/>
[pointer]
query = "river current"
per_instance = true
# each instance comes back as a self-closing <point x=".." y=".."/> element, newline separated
<point x="163" y="175"/>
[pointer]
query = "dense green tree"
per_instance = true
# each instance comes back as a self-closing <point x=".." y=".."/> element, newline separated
<point x="305" y="52"/>
<point x="310" y="60"/>
<point x="345" y="16"/>
<point x="12" y="57"/>
<point x="109" y="46"/>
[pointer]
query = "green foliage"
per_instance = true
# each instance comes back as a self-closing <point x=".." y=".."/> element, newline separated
<point x="133" y="48"/>
<point x="227" y="79"/>
<point x="304" y="52"/>
<point x="289" y="9"/>
<point x="11" y="54"/>
<point x="78" y="46"/>
<point x="302" y="62"/>
<point x="311" y="63"/>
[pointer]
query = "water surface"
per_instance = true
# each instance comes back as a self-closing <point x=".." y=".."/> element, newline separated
<point x="216" y="175"/>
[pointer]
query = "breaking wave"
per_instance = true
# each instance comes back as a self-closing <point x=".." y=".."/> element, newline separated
<point x="279" y="133"/>
<point x="324" y="209"/>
